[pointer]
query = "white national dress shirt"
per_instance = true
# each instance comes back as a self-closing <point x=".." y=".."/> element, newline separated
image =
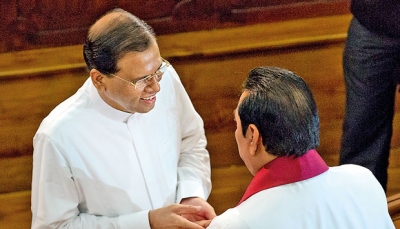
<point x="98" y="167"/>
<point x="344" y="197"/>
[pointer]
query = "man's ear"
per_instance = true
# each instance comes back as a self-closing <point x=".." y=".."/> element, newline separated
<point x="255" y="138"/>
<point x="97" y="79"/>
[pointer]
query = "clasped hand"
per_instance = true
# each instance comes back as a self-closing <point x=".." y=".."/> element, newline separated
<point x="191" y="213"/>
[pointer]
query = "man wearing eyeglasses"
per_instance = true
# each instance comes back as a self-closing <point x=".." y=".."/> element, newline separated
<point x="110" y="156"/>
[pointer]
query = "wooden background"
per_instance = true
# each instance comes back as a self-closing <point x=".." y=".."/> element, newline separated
<point x="27" y="24"/>
<point x="212" y="59"/>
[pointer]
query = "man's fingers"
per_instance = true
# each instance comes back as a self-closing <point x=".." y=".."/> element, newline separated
<point x="190" y="225"/>
<point x="188" y="209"/>
<point x="203" y="223"/>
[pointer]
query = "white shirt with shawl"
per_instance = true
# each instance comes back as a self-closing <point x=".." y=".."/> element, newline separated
<point x="97" y="167"/>
<point x="343" y="197"/>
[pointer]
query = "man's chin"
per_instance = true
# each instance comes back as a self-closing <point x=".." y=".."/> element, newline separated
<point x="145" y="109"/>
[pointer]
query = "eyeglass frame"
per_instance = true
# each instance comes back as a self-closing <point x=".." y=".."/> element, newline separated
<point x="146" y="79"/>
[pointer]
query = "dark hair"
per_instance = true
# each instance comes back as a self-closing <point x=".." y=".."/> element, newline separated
<point x="282" y="107"/>
<point x="109" y="42"/>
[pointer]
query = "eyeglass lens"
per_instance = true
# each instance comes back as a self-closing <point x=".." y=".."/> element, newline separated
<point x="158" y="75"/>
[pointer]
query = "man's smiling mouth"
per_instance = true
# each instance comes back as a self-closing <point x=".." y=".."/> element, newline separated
<point x="149" y="98"/>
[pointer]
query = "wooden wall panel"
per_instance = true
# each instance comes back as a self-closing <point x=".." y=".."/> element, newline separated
<point x="16" y="174"/>
<point x="30" y="24"/>
<point x="15" y="211"/>
<point x="24" y="101"/>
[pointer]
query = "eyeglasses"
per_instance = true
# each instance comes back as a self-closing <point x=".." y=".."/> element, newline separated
<point x="142" y="83"/>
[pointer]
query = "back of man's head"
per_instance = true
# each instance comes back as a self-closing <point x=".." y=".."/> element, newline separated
<point x="282" y="107"/>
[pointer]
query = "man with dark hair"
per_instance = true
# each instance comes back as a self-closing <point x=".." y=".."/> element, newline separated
<point x="109" y="156"/>
<point x="277" y="135"/>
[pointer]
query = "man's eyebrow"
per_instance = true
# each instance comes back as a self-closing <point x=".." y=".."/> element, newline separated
<point x="143" y="77"/>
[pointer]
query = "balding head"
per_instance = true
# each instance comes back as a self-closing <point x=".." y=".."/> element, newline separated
<point x="112" y="36"/>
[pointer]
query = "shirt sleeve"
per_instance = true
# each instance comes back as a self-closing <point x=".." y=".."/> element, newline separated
<point x="194" y="172"/>
<point x="55" y="197"/>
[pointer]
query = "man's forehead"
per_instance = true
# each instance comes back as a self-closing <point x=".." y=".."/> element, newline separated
<point x="244" y="94"/>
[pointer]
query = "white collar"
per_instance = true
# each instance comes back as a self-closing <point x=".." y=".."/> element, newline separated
<point x="103" y="108"/>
